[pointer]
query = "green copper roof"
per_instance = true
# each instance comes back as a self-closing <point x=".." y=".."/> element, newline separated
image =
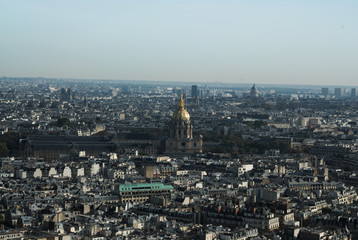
<point x="144" y="186"/>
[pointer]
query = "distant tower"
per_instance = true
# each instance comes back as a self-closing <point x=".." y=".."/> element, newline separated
<point x="66" y="95"/>
<point x="194" y="91"/>
<point x="353" y="92"/>
<point x="339" y="92"/>
<point x="181" y="138"/>
<point x="63" y="94"/>
<point x="196" y="101"/>
<point x="85" y="101"/>
<point x="254" y="93"/>
<point x="325" y="91"/>
<point x="69" y="94"/>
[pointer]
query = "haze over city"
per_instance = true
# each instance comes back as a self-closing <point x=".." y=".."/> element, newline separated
<point x="178" y="120"/>
<point x="267" y="42"/>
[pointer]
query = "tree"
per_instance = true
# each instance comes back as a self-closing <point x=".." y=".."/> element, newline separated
<point x="98" y="120"/>
<point x="3" y="150"/>
<point x="63" y="122"/>
<point x="259" y="123"/>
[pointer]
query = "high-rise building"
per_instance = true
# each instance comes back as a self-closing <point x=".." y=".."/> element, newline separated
<point x="353" y="92"/>
<point x="339" y="92"/>
<point x="66" y="95"/>
<point x="63" y="94"/>
<point x="196" y="101"/>
<point x="69" y="94"/>
<point x="325" y="91"/>
<point x="194" y="91"/>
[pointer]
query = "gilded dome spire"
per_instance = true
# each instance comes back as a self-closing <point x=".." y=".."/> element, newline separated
<point x="181" y="114"/>
<point x="181" y="102"/>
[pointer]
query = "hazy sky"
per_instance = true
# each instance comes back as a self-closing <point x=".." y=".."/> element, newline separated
<point x="262" y="41"/>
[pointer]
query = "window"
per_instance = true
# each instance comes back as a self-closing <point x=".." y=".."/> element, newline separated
<point x="183" y="144"/>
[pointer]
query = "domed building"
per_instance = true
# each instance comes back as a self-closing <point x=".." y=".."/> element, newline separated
<point x="254" y="93"/>
<point x="181" y="138"/>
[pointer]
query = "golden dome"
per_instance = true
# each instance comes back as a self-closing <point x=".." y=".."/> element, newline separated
<point x="181" y="113"/>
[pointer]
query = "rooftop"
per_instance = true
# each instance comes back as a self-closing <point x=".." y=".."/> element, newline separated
<point x="144" y="186"/>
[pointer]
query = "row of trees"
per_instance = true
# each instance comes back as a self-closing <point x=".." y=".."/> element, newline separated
<point x="64" y="121"/>
<point x="9" y="143"/>
<point x="236" y="145"/>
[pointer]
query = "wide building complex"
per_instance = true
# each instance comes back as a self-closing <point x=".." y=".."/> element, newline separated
<point x="141" y="192"/>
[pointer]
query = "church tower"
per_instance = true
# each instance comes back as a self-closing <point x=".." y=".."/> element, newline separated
<point x="254" y="93"/>
<point x="181" y="138"/>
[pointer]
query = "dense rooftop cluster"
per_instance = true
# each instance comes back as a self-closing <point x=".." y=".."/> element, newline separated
<point x="85" y="160"/>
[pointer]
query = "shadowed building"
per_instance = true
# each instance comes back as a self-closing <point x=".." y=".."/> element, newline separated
<point x="181" y="138"/>
<point x="52" y="147"/>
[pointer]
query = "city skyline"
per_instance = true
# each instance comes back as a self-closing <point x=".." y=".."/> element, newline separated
<point x="301" y="42"/>
<point x="113" y="160"/>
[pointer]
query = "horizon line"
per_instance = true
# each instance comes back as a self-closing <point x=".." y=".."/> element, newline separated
<point x="182" y="82"/>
